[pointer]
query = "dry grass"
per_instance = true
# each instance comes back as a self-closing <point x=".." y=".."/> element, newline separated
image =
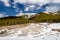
<point x="14" y="26"/>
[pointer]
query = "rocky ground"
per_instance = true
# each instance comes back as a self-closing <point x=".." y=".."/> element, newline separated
<point x="31" y="31"/>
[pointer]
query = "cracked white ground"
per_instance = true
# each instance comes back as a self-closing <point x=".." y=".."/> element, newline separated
<point x="39" y="31"/>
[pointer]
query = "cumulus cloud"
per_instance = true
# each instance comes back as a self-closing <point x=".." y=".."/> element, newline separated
<point x="52" y="8"/>
<point x="32" y="5"/>
<point x="26" y="9"/>
<point x="21" y="13"/>
<point x="6" y="2"/>
<point x="56" y="1"/>
<point x="3" y="15"/>
<point x="30" y="8"/>
<point x="39" y="2"/>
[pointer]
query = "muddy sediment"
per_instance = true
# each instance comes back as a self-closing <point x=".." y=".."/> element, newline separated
<point x="56" y="30"/>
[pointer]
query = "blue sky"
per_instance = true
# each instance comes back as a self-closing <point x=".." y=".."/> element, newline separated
<point x="13" y="7"/>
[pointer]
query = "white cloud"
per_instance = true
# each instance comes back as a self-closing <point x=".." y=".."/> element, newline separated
<point x="6" y="2"/>
<point x="20" y="1"/>
<point x="26" y="9"/>
<point x="33" y="2"/>
<point x="56" y="1"/>
<point x="52" y="8"/>
<point x="38" y="8"/>
<point x="3" y="15"/>
<point x="31" y="8"/>
<point x="21" y="13"/>
<point x="39" y="2"/>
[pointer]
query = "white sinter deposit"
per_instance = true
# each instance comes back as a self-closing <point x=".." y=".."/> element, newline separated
<point x="33" y="31"/>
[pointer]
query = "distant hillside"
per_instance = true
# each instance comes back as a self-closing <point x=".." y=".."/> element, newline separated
<point x="39" y="17"/>
<point x="46" y="17"/>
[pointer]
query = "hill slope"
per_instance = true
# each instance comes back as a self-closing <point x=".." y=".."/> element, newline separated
<point x="39" y="17"/>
